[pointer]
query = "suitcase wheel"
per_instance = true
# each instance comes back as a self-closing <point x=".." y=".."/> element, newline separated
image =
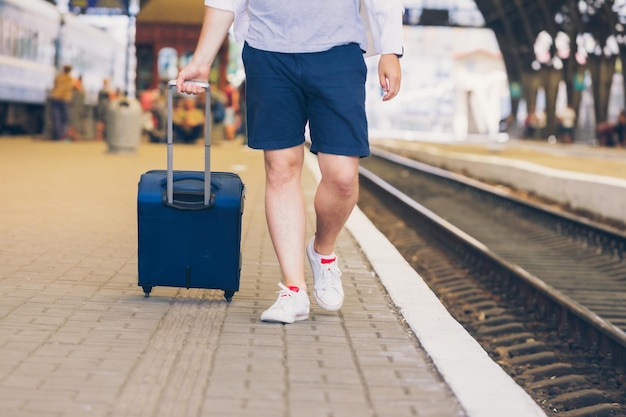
<point x="228" y="295"/>
<point x="147" y="290"/>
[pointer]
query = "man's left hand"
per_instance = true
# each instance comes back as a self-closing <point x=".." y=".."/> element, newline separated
<point x="390" y="75"/>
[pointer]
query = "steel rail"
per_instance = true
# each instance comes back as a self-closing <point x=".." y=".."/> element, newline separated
<point x="571" y="314"/>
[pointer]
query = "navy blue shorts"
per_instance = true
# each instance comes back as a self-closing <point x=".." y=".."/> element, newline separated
<point x="284" y="91"/>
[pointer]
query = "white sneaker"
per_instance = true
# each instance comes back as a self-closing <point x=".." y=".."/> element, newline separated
<point x="289" y="307"/>
<point x="327" y="290"/>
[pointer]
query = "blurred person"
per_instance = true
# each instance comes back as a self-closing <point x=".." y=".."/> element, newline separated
<point x="218" y="114"/>
<point x="218" y="106"/>
<point x="146" y="98"/>
<point x="540" y="124"/>
<point x="619" y="138"/>
<point x="231" y="111"/>
<point x="506" y="123"/>
<point x="605" y="132"/>
<point x="61" y="97"/>
<point x="78" y="84"/>
<point x="529" y="123"/>
<point x="155" y="115"/>
<point x="76" y="126"/>
<point x="242" y="129"/>
<point x="567" y="122"/>
<point x="535" y="123"/>
<point x="105" y="95"/>
<point x="304" y="64"/>
<point x="187" y="120"/>
<point x="612" y="134"/>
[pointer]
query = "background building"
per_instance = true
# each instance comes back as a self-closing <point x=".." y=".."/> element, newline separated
<point x="167" y="34"/>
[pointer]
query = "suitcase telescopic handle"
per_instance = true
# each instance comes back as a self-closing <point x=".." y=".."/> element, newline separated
<point x="207" y="141"/>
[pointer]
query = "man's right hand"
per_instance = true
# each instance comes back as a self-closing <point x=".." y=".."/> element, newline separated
<point x="192" y="72"/>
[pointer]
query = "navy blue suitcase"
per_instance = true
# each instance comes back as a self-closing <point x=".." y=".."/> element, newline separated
<point x="189" y="233"/>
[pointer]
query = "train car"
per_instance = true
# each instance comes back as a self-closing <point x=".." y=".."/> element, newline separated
<point x="35" y="40"/>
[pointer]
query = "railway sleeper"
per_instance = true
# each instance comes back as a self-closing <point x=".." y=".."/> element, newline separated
<point x="539" y="358"/>
<point x="597" y="410"/>
<point x="552" y="370"/>
<point x="511" y="339"/>
<point x="564" y="389"/>
<point x="496" y="320"/>
<point x="555" y="384"/>
<point x="512" y="327"/>
<point x="577" y="400"/>
<point x="529" y="347"/>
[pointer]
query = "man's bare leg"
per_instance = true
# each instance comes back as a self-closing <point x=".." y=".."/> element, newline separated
<point x="336" y="196"/>
<point x="285" y="211"/>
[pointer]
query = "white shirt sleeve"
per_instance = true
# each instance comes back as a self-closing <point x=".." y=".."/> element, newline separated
<point x="221" y="4"/>
<point x="385" y="24"/>
<point x="239" y="7"/>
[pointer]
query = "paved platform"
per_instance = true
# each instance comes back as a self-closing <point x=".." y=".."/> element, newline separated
<point x="78" y="338"/>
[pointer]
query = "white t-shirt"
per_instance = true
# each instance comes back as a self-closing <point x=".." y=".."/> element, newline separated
<point x="304" y="25"/>
<point x="384" y="18"/>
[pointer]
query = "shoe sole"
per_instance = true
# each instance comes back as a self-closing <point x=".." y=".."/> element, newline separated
<point x="274" y="320"/>
<point x="326" y="306"/>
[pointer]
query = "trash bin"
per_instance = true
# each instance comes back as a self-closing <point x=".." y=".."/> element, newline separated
<point x="89" y="123"/>
<point x="123" y="126"/>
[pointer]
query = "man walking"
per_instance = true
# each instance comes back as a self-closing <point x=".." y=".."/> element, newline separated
<point x="61" y="97"/>
<point x="304" y="64"/>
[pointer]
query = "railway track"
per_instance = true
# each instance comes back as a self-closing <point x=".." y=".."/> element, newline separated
<point x="543" y="291"/>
